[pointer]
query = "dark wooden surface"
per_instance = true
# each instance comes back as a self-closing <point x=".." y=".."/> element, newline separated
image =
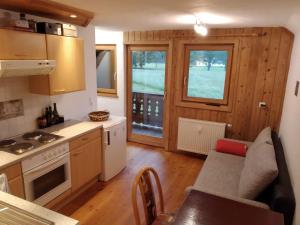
<point x="204" y="209"/>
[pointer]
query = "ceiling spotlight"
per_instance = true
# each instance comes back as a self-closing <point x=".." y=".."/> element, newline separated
<point x="73" y="16"/>
<point x="200" y="28"/>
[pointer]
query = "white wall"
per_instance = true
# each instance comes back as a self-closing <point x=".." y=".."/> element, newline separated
<point x="290" y="121"/>
<point x="116" y="106"/>
<point x="73" y="105"/>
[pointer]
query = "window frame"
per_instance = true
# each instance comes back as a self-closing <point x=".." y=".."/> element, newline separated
<point x="206" y="47"/>
<point x="109" y="92"/>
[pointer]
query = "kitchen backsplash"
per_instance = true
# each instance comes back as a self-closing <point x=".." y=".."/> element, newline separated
<point x="26" y="107"/>
<point x="11" y="109"/>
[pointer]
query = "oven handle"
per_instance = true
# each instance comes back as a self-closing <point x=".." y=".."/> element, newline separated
<point x="47" y="164"/>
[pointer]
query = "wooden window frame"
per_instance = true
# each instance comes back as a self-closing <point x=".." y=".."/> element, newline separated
<point x="207" y="47"/>
<point x="180" y="71"/>
<point x="109" y="92"/>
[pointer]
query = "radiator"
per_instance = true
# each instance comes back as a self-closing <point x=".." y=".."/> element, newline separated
<point x="198" y="136"/>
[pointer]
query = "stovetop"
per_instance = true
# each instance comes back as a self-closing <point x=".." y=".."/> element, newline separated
<point x="28" y="141"/>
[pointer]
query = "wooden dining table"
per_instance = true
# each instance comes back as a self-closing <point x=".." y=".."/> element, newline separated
<point x="200" y="208"/>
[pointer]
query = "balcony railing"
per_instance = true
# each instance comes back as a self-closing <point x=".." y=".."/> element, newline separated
<point x="147" y="110"/>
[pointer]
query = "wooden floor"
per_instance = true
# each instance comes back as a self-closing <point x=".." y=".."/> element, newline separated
<point x="112" y="204"/>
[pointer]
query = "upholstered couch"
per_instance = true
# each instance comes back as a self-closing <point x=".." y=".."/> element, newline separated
<point x="230" y="176"/>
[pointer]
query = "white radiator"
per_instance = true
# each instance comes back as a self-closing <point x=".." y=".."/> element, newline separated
<point x="198" y="136"/>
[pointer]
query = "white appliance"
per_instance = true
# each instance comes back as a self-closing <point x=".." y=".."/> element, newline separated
<point x="47" y="175"/>
<point x="14" y="68"/>
<point x="114" y="152"/>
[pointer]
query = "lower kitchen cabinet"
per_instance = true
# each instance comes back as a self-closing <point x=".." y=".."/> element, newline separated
<point x="16" y="187"/>
<point x="15" y="179"/>
<point x="85" y="162"/>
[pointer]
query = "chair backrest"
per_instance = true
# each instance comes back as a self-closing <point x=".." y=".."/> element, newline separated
<point x="143" y="181"/>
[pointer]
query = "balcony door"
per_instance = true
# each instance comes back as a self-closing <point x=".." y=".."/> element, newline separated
<point x="147" y="70"/>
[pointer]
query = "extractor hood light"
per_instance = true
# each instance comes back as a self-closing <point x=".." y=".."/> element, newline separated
<point x="200" y="28"/>
<point x="73" y="16"/>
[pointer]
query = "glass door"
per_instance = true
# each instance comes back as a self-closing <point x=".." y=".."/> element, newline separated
<point x="147" y="71"/>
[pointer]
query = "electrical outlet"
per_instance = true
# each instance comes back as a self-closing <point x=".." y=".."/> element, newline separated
<point x="262" y="105"/>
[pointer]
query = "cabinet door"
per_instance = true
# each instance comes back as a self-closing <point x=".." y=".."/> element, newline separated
<point x="69" y="55"/>
<point x="22" y="45"/>
<point x="16" y="187"/>
<point x="85" y="163"/>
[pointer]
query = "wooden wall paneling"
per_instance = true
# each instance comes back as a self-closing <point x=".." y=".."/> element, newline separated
<point x="163" y="35"/>
<point x="246" y="82"/>
<point x="264" y="45"/>
<point x="137" y="36"/>
<point x="126" y="37"/>
<point x="131" y="36"/>
<point x="150" y="36"/>
<point x="262" y="65"/>
<point x="285" y="48"/>
<point x="270" y="75"/>
<point x="144" y="35"/>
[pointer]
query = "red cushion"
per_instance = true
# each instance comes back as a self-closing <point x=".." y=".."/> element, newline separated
<point x="231" y="147"/>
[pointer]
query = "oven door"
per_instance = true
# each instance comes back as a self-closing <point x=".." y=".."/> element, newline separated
<point x="44" y="183"/>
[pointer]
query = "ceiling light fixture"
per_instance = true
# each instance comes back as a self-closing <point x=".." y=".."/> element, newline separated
<point x="200" y="28"/>
<point x="73" y="16"/>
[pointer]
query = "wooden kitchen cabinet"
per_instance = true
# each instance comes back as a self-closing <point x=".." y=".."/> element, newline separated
<point x="15" y="179"/>
<point x="22" y="45"/>
<point x="85" y="160"/>
<point x="68" y="75"/>
<point x="16" y="187"/>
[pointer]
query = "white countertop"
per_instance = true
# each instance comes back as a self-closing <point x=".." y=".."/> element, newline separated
<point x="68" y="133"/>
<point x="37" y="210"/>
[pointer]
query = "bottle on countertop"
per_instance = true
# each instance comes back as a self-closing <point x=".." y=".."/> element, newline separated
<point x="42" y="121"/>
<point x="55" y="114"/>
<point x="49" y="116"/>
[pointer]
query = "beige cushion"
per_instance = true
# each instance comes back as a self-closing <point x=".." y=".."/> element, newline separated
<point x="263" y="137"/>
<point x="259" y="171"/>
<point x="220" y="173"/>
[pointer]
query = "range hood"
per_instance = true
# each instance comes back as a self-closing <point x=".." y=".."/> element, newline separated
<point x="15" y="68"/>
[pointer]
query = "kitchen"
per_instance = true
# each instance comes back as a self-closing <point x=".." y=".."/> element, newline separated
<point x="52" y="166"/>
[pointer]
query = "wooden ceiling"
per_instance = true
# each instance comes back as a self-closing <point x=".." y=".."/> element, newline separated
<point x="49" y="9"/>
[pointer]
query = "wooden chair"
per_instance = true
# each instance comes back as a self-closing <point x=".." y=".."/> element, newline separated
<point x="143" y="181"/>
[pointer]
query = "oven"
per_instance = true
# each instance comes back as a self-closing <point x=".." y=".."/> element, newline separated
<point x="47" y="175"/>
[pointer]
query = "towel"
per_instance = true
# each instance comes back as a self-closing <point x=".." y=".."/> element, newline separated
<point x="4" y="183"/>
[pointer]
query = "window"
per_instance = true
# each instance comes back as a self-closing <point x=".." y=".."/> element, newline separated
<point x="106" y="70"/>
<point x="207" y="71"/>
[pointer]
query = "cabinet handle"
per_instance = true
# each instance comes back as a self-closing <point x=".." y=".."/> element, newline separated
<point x="20" y="55"/>
<point x="59" y="90"/>
<point x="84" y="139"/>
<point x="76" y="154"/>
<point x="108" y="137"/>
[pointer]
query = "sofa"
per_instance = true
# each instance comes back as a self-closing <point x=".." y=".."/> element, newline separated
<point x="230" y="176"/>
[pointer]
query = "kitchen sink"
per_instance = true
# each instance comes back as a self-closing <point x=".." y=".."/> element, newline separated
<point x="14" y="216"/>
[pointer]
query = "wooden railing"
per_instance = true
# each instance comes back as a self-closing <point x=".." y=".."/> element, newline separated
<point x="147" y="109"/>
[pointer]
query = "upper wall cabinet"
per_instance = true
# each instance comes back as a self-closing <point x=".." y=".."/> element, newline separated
<point x="22" y="45"/>
<point x="69" y="73"/>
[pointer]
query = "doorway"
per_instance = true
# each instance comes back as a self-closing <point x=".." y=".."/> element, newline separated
<point x="147" y="70"/>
